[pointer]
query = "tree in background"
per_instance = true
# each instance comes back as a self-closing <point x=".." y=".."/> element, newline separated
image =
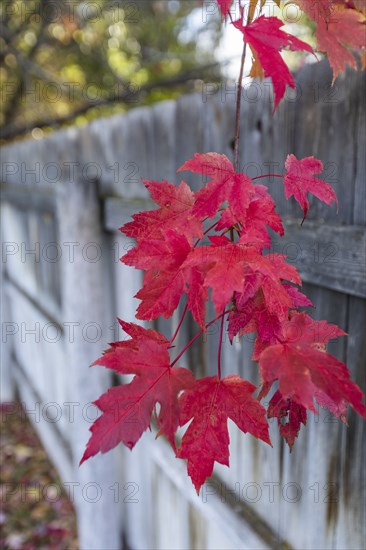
<point x="69" y="61"/>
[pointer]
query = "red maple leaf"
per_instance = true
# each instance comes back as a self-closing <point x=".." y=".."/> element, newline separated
<point x="266" y="39"/>
<point x="253" y="314"/>
<point x="225" y="185"/>
<point x="175" y="213"/>
<point x="261" y="211"/>
<point x="286" y="409"/>
<point x="298" y="298"/>
<point x="318" y="9"/>
<point x="227" y="266"/>
<point x="258" y="213"/>
<point x="161" y="254"/>
<point x="290" y="346"/>
<point x="163" y="289"/>
<point x="223" y="264"/>
<point x="164" y="280"/>
<point x="272" y="270"/>
<point x="249" y="206"/>
<point x="302" y="328"/>
<point x="160" y="294"/>
<point x="345" y="30"/>
<point x="211" y="402"/>
<point x="299" y="181"/>
<point x="305" y="371"/>
<point x="127" y="409"/>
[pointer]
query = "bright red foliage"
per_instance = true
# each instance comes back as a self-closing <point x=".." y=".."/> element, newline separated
<point x="299" y="180"/>
<point x="260" y="293"/>
<point x="224" y="6"/>
<point x="345" y="30"/>
<point x="295" y="414"/>
<point x="127" y="409"/>
<point x="266" y="39"/>
<point x="251" y="290"/>
<point x="175" y="212"/>
<point x="306" y="372"/>
<point x="211" y="402"/>
<point x="259" y="290"/>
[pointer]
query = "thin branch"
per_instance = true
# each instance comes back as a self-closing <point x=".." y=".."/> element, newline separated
<point x="220" y="346"/>
<point x="197" y="336"/>
<point x="205" y="233"/>
<point x="179" y="324"/>
<point x="237" y="113"/>
<point x="268" y="176"/>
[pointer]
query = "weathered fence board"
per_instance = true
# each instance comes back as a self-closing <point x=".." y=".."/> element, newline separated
<point x="69" y="193"/>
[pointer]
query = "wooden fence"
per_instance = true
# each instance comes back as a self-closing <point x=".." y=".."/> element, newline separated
<point x="63" y="199"/>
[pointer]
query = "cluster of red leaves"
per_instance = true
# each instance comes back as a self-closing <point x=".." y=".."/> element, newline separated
<point x="340" y="31"/>
<point x="253" y="291"/>
<point x="256" y="292"/>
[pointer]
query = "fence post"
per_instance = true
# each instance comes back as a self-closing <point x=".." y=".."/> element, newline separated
<point x="83" y="292"/>
<point x="6" y="377"/>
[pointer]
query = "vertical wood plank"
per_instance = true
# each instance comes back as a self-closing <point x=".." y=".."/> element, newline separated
<point x="83" y="289"/>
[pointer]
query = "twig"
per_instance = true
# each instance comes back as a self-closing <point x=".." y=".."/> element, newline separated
<point x="197" y="336"/>
<point x="237" y="113"/>
<point x="220" y="346"/>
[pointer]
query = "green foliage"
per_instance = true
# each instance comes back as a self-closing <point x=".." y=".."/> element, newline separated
<point x="90" y="59"/>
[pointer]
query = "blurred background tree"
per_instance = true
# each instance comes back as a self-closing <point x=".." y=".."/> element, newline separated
<point x="68" y="61"/>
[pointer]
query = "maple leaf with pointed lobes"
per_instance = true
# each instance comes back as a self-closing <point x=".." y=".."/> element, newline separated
<point x="127" y="409"/>
<point x="317" y="9"/>
<point x="273" y="269"/>
<point x="225" y="185"/>
<point x="160" y="294"/>
<point x="264" y="300"/>
<point x="227" y="265"/>
<point x="162" y="291"/>
<point x="286" y="409"/>
<point x="305" y="371"/>
<point x="211" y="402"/>
<point x="266" y="39"/>
<point x="137" y="333"/>
<point x="175" y="213"/>
<point x="299" y="181"/>
<point x="298" y="298"/>
<point x="165" y="280"/>
<point x="252" y="314"/>
<point x="159" y="254"/>
<point x="258" y="213"/>
<point x="304" y="329"/>
<point x="248" y="205"/>
<point x="345" y="30"/>
<point x="223" y="265"/>
<point x="261" y="211"/>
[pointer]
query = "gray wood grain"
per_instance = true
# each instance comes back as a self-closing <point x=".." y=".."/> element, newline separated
<point x="87" y="205"/>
